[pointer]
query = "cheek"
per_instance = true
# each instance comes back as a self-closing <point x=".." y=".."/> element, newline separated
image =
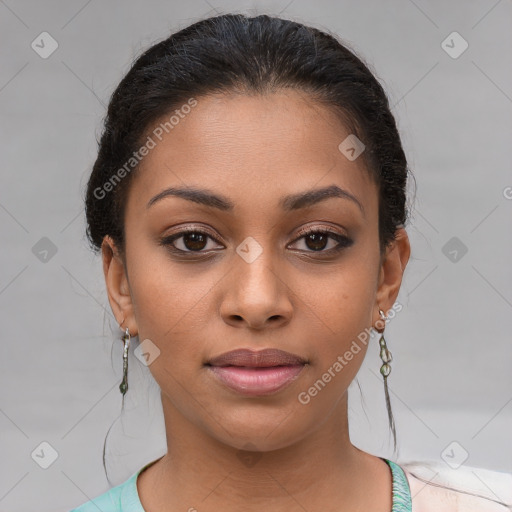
<point x="340" y="330"/>
<point x="168" y="297"/>
<point x="340" y="308"/>
<point x="173" y="308"/>
<point x="343" y="298"/>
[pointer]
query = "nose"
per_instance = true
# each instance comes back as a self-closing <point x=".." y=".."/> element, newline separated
<point x="257" y="295"/>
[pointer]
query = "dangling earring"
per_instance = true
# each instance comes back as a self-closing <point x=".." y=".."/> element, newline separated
<point x="385" y="354"/>
<point x="124" y="384"/>
<point x="385" y="370"/>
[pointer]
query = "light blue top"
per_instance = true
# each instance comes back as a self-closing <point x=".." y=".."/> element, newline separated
<point x="125" y="498"/>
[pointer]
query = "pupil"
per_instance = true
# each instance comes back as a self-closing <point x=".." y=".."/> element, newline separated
<point x="318" y="238"/>
<point x="194" y="241"/>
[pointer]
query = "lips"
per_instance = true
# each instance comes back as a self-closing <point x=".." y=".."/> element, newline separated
<point x="263" y="358"/>
<point x="259" y="373"/>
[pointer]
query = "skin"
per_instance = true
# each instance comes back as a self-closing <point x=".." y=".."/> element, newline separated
<point x="254" y="150"/>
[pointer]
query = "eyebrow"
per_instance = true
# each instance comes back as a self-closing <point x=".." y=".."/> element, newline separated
<point x="288" y="203"/>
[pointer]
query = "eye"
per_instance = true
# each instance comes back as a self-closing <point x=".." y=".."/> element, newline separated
<point x="316" y="240"/>
<point x="193" y="240"/>
<point x="189" y="240"/>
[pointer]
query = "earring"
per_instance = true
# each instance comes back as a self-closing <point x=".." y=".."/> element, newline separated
<point x="123" y="387"/>
<point x="385" y="370"/>
<point x="385" y="354"/>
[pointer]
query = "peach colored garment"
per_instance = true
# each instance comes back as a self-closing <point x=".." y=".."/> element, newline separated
<point x="425" y="477"/>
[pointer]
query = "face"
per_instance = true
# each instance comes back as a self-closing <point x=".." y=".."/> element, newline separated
<point x="236" y="266"/>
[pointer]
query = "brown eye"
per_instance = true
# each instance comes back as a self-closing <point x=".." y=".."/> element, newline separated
<point x="194" y="241"/>
<point x="188" y="241"/>
<point x="317" y="240"/>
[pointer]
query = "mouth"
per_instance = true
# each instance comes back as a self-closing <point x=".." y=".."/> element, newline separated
<point x="252" y="373"/>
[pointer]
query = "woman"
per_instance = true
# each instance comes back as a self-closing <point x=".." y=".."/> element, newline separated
<point x="249" y="202"/>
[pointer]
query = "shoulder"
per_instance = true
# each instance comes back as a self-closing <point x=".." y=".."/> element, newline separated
<point x="437" y="487"/>
<point x="122" y="498"/>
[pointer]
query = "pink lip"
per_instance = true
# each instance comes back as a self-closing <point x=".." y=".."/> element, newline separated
<point x="261" y="358"/>
<point x="255" y="381"/>
<point x="254" y="373"/>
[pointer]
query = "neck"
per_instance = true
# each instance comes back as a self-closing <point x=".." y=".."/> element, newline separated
<point x="205" y="470"/>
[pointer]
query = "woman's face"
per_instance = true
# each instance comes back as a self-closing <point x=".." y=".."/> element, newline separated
<point x="247" y="277"/>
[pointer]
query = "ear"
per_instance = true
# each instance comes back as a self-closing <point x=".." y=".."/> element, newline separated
<point x="391" y="272"/>
<point x="118" y="288"/>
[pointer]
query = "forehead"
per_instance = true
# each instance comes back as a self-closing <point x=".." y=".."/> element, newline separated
<point x="262" y="145"/>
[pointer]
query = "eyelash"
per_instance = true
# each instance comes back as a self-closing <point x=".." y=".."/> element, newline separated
<point x="343" y="241"/>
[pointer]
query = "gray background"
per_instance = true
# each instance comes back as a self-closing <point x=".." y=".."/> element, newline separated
<point x="451" y="378"/>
